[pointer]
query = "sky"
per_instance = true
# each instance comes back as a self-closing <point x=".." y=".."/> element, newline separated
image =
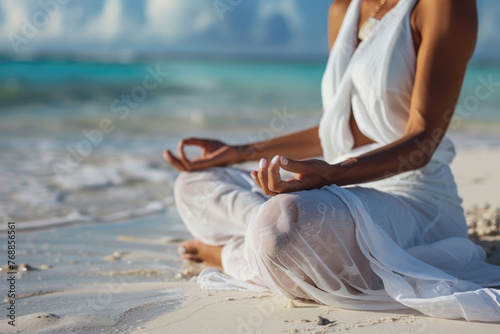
<point x="122" y="29"/>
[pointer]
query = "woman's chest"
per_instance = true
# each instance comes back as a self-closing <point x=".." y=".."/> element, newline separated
<point x="387" y="63"/>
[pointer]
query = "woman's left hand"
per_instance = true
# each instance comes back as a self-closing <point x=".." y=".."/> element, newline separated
<point x="311" y="174"/>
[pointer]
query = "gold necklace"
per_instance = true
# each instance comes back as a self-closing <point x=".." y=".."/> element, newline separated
<point x="370" y="24"/>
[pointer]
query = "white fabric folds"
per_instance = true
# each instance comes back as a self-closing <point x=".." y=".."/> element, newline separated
<point x="214" y="279"/>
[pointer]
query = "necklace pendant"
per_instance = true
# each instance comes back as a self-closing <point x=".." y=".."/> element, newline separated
<point x="367" y="28"/>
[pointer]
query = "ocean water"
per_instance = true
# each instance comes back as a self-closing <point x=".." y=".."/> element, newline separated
<point x="81" y="142"/>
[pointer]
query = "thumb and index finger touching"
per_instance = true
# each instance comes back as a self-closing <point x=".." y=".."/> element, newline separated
<point x="189" y="142"/>
<point x="182" y="162"/>
<point x="294" y="166"/>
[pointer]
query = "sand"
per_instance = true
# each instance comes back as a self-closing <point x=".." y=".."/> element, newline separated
<point x="244" y="312"/>
<point x="477" y="173"/>
<point x="168" y="306"/>
<point x="240" y="312"/>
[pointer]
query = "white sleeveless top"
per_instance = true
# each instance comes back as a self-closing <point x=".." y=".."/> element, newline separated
<point x="375" y="80"/>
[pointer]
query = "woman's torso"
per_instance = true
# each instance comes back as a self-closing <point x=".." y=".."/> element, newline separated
<point x="382" y="69"/>
<point x="367" y="94"/>
<point x="366" y="8"/>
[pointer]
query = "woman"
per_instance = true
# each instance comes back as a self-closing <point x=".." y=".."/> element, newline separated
<point x="391" y="84"/>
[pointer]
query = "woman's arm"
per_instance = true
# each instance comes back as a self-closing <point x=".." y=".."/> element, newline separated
<point x="300" y="145"/>
<point x="336" y="15"/>
<point x="449" y="31"/>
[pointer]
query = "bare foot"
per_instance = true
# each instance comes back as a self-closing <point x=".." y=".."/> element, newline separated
<point x="197" y="251"/>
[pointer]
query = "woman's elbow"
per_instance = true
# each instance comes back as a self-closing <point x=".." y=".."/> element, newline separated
<point x="423" y="145"/>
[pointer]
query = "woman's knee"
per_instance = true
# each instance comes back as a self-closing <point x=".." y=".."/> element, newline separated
<point x="189" y="195"/>
<point x="275" y="224"/>
<point x="300" y="218"/>
<point x="182" y="179"/>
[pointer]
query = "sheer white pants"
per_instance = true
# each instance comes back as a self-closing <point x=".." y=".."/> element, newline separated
<point x="401" y="244"/>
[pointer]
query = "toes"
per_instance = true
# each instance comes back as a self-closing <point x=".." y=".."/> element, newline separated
<point x="195" y="250"/>
<point x="190" y="246"/>
<point x="192" y="257"/>
<point x="182" y="249"/>
<point x="188" y="250"/>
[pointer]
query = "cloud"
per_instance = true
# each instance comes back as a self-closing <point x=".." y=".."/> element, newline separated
<point x="278" y="22"/>
<point x="287" y="27"/>
<point x="14" y="12"/>
<point x="178" y="19"/>
<point x="108" y="24"/>
<point x="286" y="8"/>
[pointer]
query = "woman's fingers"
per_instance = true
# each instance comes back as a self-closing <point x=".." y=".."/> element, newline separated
<point x="213" y="154"/>
<point x="263" y="177"/>
<point x="176" y="163"/>
<point x="188" y="164"/>
<point x="305" y="178"/>
<point x="193" y="141"/>
<point x="291" y="185"/>
<point x="203" y="161"/>
<point x="182" y="155"/>
<point x="297" y="166"/>
<point x="206" y="145"/>
<point x="262" y="174"/>
<point x="255" y="177"/>
<point x="274" y="178"/>
<point x="276" y="184"/>
<point x="268" y="177"/>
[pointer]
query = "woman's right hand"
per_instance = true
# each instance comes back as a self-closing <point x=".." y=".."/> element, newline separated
<point x="213" y="153"/>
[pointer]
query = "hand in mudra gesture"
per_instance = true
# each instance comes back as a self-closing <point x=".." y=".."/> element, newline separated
<point x="213" y="153"/>
<point x="309" y="174"/>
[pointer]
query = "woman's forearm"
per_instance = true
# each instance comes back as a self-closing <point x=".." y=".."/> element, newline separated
<point x="299" y="145"/>
<point x="411" y="152"/>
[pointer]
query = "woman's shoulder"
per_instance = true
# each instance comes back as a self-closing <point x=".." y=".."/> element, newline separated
<point x="336" y="16"/>
<point x="446" y="11"/>
<point x="447" y="3"/>
<point x="339" y="6"/>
